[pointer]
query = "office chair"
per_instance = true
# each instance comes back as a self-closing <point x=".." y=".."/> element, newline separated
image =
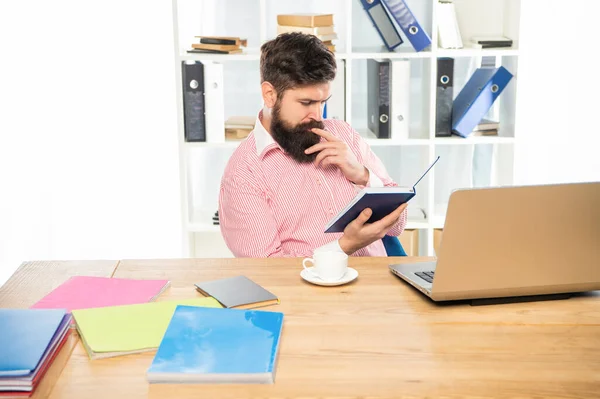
<point x="393" y="247"/>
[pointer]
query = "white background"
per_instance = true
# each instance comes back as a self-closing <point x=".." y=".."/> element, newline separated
<point x="88" y="152"/>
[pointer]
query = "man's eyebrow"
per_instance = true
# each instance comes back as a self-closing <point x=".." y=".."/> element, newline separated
<point x="314" y="101"/>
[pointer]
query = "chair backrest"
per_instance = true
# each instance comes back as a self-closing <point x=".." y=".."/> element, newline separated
<point x="393" y="247"/>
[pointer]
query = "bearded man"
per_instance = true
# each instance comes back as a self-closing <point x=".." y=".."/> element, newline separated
<point x="296" y="170"/>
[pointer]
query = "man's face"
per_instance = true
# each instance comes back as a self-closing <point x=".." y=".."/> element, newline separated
<point x="298" y="111"/>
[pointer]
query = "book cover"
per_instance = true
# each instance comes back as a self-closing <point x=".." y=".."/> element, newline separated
<point x="204" y="345"/>
<point x="28" y="337"/>
<point x="237" y="292"/>
<point x="119" y="330"/>
<point x="83" y="292"/>
<point x="381" y="200"/>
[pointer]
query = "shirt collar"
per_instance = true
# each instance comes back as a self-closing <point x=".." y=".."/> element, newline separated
<point x="263" y="139"/>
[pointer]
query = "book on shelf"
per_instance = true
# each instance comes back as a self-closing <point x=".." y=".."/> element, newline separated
<point x="237" y="292"/>
<point x="223" y="40"/>
<point x="381" y="200"/>
<point x="122" y="330"/>
<point x="30" y="339"/>
<point x="218" y="45"/>
<point x="492" y="41"/>
<point x="319" y="25"/>
<point x="449" y="36"/>
<point x="206" y="345"/>
<point x="206" y="51"/>
<point x="308" y="20"/>
<point x="317" y="30"/>
<point x="239" y="127"/>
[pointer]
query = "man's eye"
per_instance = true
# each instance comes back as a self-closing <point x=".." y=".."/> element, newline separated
<point x="306" y="102"/>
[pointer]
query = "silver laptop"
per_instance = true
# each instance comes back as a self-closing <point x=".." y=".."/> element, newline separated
<point x="523" y="242"/>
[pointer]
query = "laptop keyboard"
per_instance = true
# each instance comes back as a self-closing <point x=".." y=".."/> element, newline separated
<point x="427" y="276"/>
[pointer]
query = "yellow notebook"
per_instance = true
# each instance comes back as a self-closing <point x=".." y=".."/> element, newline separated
<point x="121" y="330"/>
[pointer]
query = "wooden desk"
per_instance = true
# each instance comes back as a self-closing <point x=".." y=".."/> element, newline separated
<point x="376" y="337"/>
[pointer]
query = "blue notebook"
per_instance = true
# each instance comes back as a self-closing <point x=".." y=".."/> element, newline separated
<point x="381" y="200"/>
<point x="210" y="345"/>
<point x="25" y="337"/>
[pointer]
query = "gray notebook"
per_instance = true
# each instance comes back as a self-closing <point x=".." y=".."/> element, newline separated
<point x="237" y="292"/>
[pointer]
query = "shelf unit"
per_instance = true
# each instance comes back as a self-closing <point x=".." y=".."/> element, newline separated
<point x="202" y="164"/>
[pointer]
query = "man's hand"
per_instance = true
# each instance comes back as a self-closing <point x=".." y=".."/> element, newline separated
<point x="336" y="152"/>
<point x="358" y="234"/>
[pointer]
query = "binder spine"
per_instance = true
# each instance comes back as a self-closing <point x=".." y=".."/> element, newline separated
<point x="214" y="102"/>
<point x="415" y="33"/>
<point x="400" y="99"/>
<point x="193" y="101"/>
<point x="444" y="92"/>
<point x="477" y="97"/>
<point x="384" y="100"/>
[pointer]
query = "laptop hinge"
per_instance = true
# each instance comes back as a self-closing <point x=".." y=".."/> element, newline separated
<point x="518" y="299"/>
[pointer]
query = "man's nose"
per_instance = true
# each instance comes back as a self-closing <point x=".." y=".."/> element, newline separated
<point x="316" y="112"/>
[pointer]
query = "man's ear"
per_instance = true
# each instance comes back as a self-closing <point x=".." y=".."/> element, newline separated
<point x="269" y="94"/>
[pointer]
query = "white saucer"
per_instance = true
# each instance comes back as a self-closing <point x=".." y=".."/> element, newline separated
<point x="350" y="275"/>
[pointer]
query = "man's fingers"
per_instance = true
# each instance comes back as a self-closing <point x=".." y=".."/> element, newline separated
<point x="325" y="134"/>
<point x="392" y="218"/>
<point x="323" y="154"/>
<point x="321" y="146"/>
<point x="363" y="216"/>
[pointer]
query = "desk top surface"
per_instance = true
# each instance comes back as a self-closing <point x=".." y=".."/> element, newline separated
<point x="374" y="337"/>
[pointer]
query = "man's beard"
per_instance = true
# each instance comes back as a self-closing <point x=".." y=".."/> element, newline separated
<point x="294" y="140"/>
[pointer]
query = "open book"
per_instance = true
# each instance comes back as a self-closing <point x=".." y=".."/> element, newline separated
<point x="381" y="200"/>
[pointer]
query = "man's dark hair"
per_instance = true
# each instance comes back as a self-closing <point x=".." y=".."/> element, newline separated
<point x="295" y="59"/>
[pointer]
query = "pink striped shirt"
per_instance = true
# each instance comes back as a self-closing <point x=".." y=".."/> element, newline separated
<point x="272" y="206"/>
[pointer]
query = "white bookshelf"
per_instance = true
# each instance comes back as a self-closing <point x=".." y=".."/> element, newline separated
<point x="202" y="164"/>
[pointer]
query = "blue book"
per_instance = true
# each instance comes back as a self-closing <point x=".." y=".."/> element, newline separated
<point x="408" y="23"/>
<point x="477" y="97"/>
<point x="27" y="338"/>
<point x="210" y="345"/>
<point x="381" y="200"/>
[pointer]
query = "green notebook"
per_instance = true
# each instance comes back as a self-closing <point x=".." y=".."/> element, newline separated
<point x="121" y="330"/>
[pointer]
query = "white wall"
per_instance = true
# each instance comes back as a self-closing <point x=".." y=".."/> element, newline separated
<point x="88" y="150"/>
<point x="558" y="104"/>
<point x="88" y="156"/>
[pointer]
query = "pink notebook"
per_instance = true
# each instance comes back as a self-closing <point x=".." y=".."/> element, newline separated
<point x="84" y="292"/>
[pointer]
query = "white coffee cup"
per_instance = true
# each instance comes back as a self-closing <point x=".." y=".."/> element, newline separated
<point x="328" y="265"/>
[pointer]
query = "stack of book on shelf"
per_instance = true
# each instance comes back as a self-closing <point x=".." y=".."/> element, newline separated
<point x="239" y="127"/>
<point x="491" y="41"/>
<point x="30" y="339"/>
<point x="485" y="128"/>
<point x="218" y="45"/>
<point x="320" y="25"/>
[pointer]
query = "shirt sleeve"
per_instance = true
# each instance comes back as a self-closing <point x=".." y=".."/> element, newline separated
<point x="247" y="222"/>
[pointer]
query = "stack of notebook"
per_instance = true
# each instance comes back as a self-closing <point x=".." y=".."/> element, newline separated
<point x="319" y="25"/>
<point x="122" y="330"/>
<point x="218" y="45"/>
<point x="29" y="342"/>
<point x="203" y="345"/>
